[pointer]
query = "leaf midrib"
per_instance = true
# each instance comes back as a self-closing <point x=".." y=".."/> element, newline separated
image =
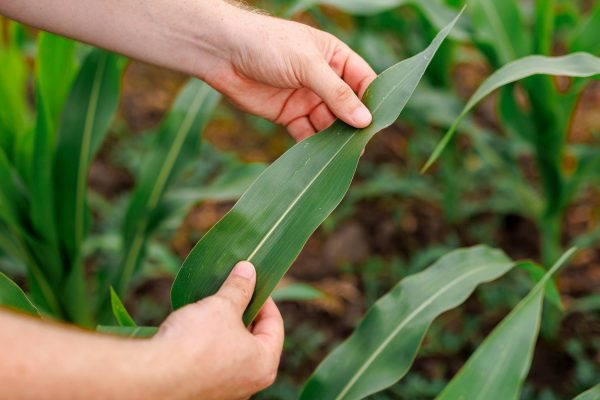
<point x="314" y="179"/>
<point x="400" y="326"/>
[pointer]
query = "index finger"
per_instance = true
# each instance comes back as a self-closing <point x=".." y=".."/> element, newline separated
<point x="358" y="73"/>
<point x="268" y="327"/>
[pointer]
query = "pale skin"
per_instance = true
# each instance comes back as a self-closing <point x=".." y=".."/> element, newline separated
<point x="284" y="71"/>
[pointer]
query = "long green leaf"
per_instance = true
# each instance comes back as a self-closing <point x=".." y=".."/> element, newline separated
<point x="119" y="311"/>
<point x="385" y="343"/>
<point x="273" y="220"/>
<point x="499" y="25"/>
<point x="591" y="394"/>
<point x="177" y="143"/>
<point x="91" y="106"/>
<point x="435" y="11"/>
<point x="128" y="331"/>
<point x="12" y="296"/>
<point x="585" y="38"/>
<point x="499" y="366"/>
<point x="573" y="65"/>
<point x="56" y="68"/>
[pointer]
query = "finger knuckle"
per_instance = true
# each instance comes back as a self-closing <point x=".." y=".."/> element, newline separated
<point x="343" y="93"/>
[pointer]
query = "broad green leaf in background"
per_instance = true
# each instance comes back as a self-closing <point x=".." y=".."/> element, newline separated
<point x="385" y="343"/>
<point x="499" y="366"/>
<point x="14" y="112"/>
<point x="128" y="331"/>
<point x="435" y="11"/>
<point x="12" y="296"/>
<point x="585" y="38"/>
<point x="55" y="70"/>
<point x="119" y="311"/>
<point x="297" y="292"/>
<point x="91" y="107"/>
<point x="273" y="220"/>
<point x="177" y="143"/>
<point x="591" y="394"/>
<point x="573" y="65"/>
<point x="499" y="25"/>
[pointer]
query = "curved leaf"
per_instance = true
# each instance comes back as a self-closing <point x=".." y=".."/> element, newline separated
<point x="385" y="343"/>
<point x="12" y="296"/>
<point x="128" y="331"/>
<point x="499" y="366"/>
<point x="91" y="106"/>
<point x="573" y="65"/>
<point x="177" y="142"/>
<point x="119" y="311"/>
<point x="499" y="25"/>
<point x="591" y="394"/>
<point x="273" y="220"/>
<point x="435" y="11"/>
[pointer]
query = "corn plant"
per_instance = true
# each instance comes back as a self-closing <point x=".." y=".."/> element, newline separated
<point x="45" y="155"/>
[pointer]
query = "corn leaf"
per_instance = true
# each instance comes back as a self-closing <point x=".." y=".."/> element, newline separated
<point x="55" y="70"/>
<point x="119" y="311"/>
<point x="498" y="26"/>
<point x="92" y="104"/>
<point x="12" y="296"/>
<point x="297" y="292"/>
<point x="128" y="331"/>
<point x="177" y="143"/>
<point x="585" y="38"/>
<point x="573" y="65"/>
<point x="273" y="220"/>
<point x="385" y="343"/>
<point x="499" y="366"/>
<point x="591" y="394"/>
<point x="435" y="11"/>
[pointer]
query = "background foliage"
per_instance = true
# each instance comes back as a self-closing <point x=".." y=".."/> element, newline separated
<point x="521" y="174"/>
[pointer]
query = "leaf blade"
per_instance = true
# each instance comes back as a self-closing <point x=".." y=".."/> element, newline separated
<point x="573" y="65"/>
<point x="303" y="187"/>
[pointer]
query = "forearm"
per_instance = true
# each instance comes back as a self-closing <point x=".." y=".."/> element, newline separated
<point x="191" y="36"/>
<point x="46" y="361"/>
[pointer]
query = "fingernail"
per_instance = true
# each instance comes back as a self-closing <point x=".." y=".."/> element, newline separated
<point x="361" y="116"/>
<point x="244" y="269"/>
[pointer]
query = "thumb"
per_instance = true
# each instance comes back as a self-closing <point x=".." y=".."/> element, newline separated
<point x="239" y="285"/>
<point x="338" y="95"/>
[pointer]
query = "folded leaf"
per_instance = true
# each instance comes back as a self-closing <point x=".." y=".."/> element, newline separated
<point x="385" y="343"/>
<point x="273" y="220"/>
<point x="12" y="296"/>
<point x="119" y="311"/>
<point x="573" y="65"/>
<point x="499" y="366"/>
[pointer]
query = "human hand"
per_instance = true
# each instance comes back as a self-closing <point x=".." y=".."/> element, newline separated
<point x="216" y="356"/>
<point x="289" y="73"/>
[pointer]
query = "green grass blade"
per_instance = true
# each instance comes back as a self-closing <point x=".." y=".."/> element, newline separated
<point x="12" y="296"/>
<point x="177" y="143"/>
<point x="119" y="311"/>
<point x="499" y="366"/>
<point x="273" y="220"/>
<point x="91" y="105"/>
<point x="385" y="343"/>
<point x="128" y="331"/>
<point x="573" y="65"/>
<point x="591" y="394"/>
